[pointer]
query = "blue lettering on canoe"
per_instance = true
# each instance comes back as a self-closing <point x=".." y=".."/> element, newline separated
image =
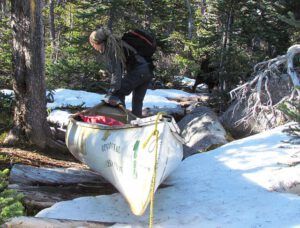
<point x="110" y="147"/>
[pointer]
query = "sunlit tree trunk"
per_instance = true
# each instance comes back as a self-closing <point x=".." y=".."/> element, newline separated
<point x="71" y="20"/>
<point x="52" y="29"/>
<point x="190" y="19"/>
<point x="2" y="8"/>
<point x="28" y="74"/>
<point x="3" y="5"/>
<point x="225" y="45"/>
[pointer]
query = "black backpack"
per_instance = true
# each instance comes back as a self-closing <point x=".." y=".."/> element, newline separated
<point x="143" y="42"/>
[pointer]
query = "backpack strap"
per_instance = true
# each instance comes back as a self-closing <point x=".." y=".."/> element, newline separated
<point x="138" y="57"/>
<point x="129" y="47"/>
<point x="142" y="37"/>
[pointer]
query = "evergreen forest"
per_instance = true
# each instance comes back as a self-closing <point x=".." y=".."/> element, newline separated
<point x="233" y="35"/>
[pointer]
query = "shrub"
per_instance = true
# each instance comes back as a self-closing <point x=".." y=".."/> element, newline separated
<point x="10" y="200"/>
<point x="6" y="113"/>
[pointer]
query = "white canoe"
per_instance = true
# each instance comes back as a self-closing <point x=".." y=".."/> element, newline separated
<point x="118" y="154"/>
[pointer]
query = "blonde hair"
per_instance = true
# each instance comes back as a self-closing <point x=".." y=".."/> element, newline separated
<point x="113" y="45"/>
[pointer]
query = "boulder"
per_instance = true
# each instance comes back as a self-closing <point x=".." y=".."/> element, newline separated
<point x="230" y="118"/>
<point x="201" y="130"/>
<point x="279" y="89"/>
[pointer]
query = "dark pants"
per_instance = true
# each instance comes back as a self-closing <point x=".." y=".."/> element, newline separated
<point x="136" y="81"/>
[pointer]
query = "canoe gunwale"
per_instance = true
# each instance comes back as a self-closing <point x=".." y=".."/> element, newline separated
<point x="100" y="126"/>
<point x="135" y="124"/>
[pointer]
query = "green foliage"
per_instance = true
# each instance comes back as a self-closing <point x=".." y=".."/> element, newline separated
<point x="292" y="110"/>
<point x="71" y="73"/>
<point x="6" y="114"/>
<point x="290" y="19"/>
<point x="6" y="102"/>
<point x="234" y="34"/>
<point x="3" y="135"/>
<point x="10" y="201"/>
<point x="5" y="49"/>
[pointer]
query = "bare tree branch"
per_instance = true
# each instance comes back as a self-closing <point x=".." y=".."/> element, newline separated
<point x="257" y="96"/>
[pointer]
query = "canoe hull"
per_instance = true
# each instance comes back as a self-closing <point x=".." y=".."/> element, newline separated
<point x="120" y="156"/>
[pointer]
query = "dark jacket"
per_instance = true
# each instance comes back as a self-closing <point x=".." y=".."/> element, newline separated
<point x="114" y="66"/>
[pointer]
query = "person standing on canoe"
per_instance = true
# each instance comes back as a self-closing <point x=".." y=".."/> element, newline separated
<point x="129" y="62"/>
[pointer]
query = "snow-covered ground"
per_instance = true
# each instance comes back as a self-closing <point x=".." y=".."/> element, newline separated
<point x="233" y="186"/>
<point x="241" y="184"/>
<point x="65" y="97"/>
<point x="153" y="98"/>
<point x="7" y="91"/>
<point x="189" y="82"/>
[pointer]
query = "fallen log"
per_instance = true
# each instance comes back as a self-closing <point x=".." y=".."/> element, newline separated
<point x="42" y="187"/>
<point x="30" y="175"/>
<point x="187" y="101"/>
<point x="170" y="111"/>
<point x="58" y="133"/>
<point x="34" y="222"/>
<point x="196" y="98"/>
<point x="40" y="197"/>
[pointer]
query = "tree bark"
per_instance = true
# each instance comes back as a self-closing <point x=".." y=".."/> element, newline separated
<point x="225" y="44"/>
<point x="296" y="10"/>
<point x="203" y="7"/>
<point x="42" y="187"/>
<point x="291" y="53"/>
<point x="31" y="175"/>
<point x="190" y="19"/>
<point x="28" y="74"/>
<point x="3" y="6"/>
<point x="148" y="15"/>
<point x="112" y="14"/>
<point x="35" y="222"/>
<point x="71" y="21"/>
<point x="52" y="28"/>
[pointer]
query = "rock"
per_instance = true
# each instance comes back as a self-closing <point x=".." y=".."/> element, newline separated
<point x="201" y="130"/>
<point x="230" y="118"/>
<point x="279" y="88"/>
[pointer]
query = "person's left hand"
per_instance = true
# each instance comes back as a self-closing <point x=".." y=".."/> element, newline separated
<point x="112" y="100"/>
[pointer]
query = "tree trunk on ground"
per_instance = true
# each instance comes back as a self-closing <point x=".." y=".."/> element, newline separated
<point x="34" y="222"/>
<point x="42" y="187"/>
<point x="28" y="78"/>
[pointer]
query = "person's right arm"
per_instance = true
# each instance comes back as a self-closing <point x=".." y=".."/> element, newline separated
<point x="115" y="69"/>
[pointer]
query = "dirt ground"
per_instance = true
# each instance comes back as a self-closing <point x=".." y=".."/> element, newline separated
<point x="31" y="156"/>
